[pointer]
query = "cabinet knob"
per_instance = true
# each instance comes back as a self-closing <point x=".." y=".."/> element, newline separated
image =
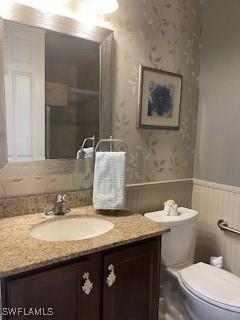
<point x="111" y="278"/>
<point x="88" y="284"/>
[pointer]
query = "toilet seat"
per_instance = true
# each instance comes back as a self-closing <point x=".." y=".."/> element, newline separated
<point x="215" y="286"/>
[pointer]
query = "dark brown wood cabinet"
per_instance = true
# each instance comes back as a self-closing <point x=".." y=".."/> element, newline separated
<point x="132" y="293"/>
<point x="57" y="293"/>
<point x="119" y="284"/>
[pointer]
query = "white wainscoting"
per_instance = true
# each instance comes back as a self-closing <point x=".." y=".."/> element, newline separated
<point x="148" y="197"/>
<point x="215" y="201"/>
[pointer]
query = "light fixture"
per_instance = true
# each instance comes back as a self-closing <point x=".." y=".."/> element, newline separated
<point x="88" y="11"/>
<point x="5" y="6"/>
<point x="52" y="6"/>
<point x="99" y="7"/>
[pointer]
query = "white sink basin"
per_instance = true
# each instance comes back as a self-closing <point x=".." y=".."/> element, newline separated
<point x="69" y="229"/>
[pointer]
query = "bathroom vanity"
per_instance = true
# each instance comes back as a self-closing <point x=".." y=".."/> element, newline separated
<point x="113" y="276"/>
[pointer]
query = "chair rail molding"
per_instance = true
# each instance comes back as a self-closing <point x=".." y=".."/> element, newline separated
<point x="216" y="185"/>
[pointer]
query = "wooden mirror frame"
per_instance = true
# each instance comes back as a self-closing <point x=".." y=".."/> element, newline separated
<point x="36" y="18"/>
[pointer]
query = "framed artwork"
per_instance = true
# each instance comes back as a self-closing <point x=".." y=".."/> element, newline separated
<point x="159" y="100"/>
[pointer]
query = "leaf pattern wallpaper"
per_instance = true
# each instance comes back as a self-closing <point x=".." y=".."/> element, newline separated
<point x="163" y="34"/>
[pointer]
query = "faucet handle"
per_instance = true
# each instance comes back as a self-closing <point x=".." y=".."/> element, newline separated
<point x="61" y="206"/>
<point x="61" y="198"/>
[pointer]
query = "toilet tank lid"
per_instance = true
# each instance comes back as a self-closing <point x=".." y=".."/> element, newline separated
<point x="184" y="215"/>
<point x="216" y="286"/>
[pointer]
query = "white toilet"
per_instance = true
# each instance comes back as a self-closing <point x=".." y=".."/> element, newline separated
<point x="210" y="293"/>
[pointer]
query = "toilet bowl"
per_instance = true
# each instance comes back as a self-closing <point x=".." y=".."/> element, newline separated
<point x="209" y="293"/>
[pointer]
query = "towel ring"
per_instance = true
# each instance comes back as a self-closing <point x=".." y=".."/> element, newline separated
<point x="80" y="152"/>
<point x="110" y="141"/>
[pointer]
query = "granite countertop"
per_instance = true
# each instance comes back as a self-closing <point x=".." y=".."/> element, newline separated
<point x="20" y="252"/>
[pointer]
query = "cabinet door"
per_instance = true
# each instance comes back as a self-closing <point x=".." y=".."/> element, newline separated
<point x="57" y="292"/>
<point x="131" y="283"/>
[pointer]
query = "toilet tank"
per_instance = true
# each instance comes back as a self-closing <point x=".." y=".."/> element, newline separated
<point x="177" y="245"/>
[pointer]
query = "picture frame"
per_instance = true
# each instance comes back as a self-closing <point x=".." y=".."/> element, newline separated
<point x="159" y="99"/>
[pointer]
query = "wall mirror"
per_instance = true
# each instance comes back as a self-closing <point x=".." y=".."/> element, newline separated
<point x="57" y="85"/>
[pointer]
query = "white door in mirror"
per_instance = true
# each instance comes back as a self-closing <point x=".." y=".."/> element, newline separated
<point x="25" y="91"/>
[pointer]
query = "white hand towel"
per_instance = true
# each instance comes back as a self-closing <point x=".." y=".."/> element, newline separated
<point x="109" y="181"/>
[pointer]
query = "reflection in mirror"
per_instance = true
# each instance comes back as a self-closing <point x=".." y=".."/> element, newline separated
<point x="52" y="92"/>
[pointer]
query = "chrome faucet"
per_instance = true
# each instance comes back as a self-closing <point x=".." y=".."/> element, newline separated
<point x="61" y="206"/>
